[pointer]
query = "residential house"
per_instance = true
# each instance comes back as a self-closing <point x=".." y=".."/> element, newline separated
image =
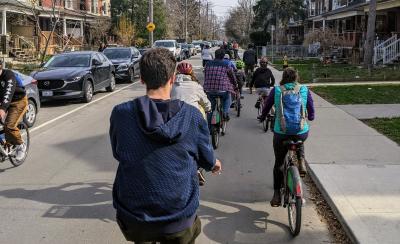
<point x="26" y="25"/>
<point x="349" y="19"/>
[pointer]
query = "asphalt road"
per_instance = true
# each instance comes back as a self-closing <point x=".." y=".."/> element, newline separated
<point x="62" y="194"/>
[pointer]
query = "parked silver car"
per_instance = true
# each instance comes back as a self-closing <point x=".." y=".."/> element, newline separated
<point x="33" y="98"/>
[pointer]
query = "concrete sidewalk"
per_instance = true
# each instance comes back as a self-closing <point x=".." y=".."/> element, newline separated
<point x="370" y="111"/>
<point x="358" y="171"/>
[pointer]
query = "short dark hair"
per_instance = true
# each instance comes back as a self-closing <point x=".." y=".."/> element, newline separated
<point x="157" y="66"/>
<point x="219" y="54"/>
<point x="289" y="76"/>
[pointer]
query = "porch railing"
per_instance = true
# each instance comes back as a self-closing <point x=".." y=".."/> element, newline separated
<point x="391" y="52"/>
<point x="380" y="48"/>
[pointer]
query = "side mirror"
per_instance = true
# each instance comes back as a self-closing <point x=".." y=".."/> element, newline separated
<point x="96" y="62"/>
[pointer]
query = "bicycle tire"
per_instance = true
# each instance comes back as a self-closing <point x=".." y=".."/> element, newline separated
<point x="215" y="137"/>
<point x="22" y="127"/>
<point x="272" y="124"/>
<point x="223" y="127"/>
<point x="295" y="202"/>
<point x="239" y="106"/>
<point x="265" y="125"/>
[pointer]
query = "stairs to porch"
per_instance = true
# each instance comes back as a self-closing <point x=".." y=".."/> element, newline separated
<point x="387" y="52"/>
<point x="23" y="55"/>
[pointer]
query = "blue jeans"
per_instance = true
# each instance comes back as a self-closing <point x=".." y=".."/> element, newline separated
<point x="225" y="99"/>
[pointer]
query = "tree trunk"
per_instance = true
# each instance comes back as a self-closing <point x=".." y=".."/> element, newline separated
<point x="369" y="43"/>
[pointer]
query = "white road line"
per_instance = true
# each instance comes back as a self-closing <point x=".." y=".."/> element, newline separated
<point x="80" y="108"/>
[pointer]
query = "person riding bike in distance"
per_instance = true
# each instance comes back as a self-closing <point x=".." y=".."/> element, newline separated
<point x="240" y="76"/>
<point x="231" y="64"/>
<point x="219" y="80"/>
<point x="249" y="59"/>
<point x="13" y="105"/>
<point x="293" y="103"/>
<point x="262" y="80"/>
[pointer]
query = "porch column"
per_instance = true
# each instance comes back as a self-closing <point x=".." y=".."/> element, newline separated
<point x="313" y="25"/>
<point x="4" y="22"/>
<point x="81" y="28"/>
<point x="323" y="24"/>
<point x="65" y="27"/>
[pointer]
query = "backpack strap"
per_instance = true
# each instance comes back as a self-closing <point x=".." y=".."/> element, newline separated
<point x="282" y="117"/>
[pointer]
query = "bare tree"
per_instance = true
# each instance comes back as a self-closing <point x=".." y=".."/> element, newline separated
<point x="369" y="43"/>
<point x="238" y="23"/>
<point x="327" y="38"/>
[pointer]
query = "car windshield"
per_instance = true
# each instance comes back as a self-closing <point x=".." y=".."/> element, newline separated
<point x="164" y="44"/>
<point x="71" y="60"/>
<point x="116" y="53"/>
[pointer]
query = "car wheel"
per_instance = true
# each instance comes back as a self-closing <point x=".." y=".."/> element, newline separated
<point x="111" y="87"/>
<point x="30" y="115"/>
<point x="131" y="74"/>
<point x="88" y="92"/>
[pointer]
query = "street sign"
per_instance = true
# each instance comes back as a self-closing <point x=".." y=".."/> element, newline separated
<point x="151" y="27"/>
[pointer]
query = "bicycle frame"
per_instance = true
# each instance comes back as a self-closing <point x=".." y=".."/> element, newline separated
<point x="296" y="187"/>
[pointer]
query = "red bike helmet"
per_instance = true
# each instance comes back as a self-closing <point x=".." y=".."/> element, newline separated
<point x="185" y="68"/>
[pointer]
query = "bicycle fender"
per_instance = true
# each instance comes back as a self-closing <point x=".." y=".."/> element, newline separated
<point x="294" y="181"/>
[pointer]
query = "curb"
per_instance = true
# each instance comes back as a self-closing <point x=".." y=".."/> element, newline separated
<point x="332" y="205"/>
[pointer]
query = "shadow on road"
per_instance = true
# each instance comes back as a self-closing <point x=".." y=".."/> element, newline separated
<point x="73" y="200"/>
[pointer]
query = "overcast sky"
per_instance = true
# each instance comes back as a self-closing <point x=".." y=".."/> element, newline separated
<point x="221" y="7"/>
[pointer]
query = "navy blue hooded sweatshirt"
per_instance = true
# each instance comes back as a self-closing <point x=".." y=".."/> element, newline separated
<point x="159" y="146"/>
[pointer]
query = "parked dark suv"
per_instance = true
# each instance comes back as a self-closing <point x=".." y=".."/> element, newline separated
<point x="75" y="75"/>
<point x="126" y="62"/>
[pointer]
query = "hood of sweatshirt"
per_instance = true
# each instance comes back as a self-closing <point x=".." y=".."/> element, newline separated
<point x="166" y="123"/>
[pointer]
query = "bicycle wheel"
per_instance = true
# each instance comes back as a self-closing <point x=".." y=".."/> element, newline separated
<point x="295" y="200"/>
<point x="238" y="106"/>
<point x="26" y="138"/>
<point x="223" y="127"/>
<point x="215" y="137"/>
<point x="265" y="125"/>
<point x="272" y="123"/>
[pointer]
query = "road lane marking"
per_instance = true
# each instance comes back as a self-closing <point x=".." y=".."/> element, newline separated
<point x="81" y="107"/>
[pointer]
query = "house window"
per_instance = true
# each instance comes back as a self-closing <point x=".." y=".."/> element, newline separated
<point x="82" y="5"/>
<point x="104" y="8"/>
<point x="68" y="4"/>
<point x="95" y="8"/>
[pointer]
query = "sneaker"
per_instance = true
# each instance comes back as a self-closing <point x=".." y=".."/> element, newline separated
<point x="257" y="106"/>
<point x="20" y="151"/>
<point x="276" y="199"/>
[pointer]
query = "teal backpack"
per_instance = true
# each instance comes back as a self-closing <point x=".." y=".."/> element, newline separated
<point x="292" y="111"/>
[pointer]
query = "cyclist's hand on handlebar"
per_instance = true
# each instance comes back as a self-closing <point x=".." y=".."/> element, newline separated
<point x="217" y="167"/>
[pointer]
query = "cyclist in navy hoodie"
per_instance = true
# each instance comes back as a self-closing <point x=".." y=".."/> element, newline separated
<point x="159" y="144"/>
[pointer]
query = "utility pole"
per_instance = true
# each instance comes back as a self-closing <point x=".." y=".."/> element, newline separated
<point x="151" y="21"/>
<point x="207" y="24"/>
<point x="186" y="21"/>
<point x="199" y="20"/>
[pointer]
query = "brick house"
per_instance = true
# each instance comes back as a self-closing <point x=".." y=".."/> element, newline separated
<point x="75" y="20"/>
<point x="349" y="19"/>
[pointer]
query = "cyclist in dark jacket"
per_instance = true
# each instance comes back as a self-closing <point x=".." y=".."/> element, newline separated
<point x="250" y="59"/>
<point x="262" y="80"/>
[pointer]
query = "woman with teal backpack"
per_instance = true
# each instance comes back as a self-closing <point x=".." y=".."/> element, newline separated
<point x="293" y="105"/>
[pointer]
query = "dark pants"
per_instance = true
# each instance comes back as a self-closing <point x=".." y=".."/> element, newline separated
<point x="16" y="112"/>
<point x="140" y="236"/>
<point x="236" y="53"/>
<point x="205" y="62"/>
<point x="248" y="68"/>
<point x="226" y="100"/>
<point x="280" y="152"/>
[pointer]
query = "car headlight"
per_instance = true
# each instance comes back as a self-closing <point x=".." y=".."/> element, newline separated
<point x="123" y="66"/>
<point x="77" y="78"/>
